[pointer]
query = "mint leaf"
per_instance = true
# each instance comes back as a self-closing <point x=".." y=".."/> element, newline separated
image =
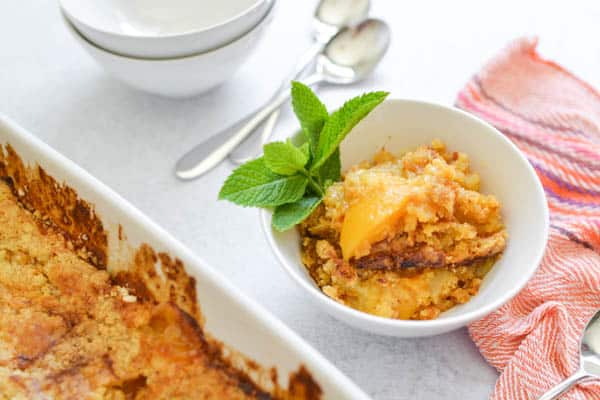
<point x="293" y="177"/>
<point x="331" y="170"/>
<point x="305" y="149"/>
<point x="284" y="158"/>
<point x="288" y="215"/>
<point x="309" y="110"/>
<point x="341" y="122"/>
<point x="255" y="185"/>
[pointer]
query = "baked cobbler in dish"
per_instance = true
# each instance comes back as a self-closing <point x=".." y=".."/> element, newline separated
<point x="74" y="325"/>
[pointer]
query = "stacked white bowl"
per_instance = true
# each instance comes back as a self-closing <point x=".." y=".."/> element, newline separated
<point x="175" y="48"/>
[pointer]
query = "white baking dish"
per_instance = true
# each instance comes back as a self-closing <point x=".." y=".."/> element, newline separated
<point x="230" y="316"/>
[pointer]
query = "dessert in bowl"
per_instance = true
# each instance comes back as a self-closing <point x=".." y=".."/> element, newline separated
<point x="479" y="261"/>
<point x="404" y="237"/>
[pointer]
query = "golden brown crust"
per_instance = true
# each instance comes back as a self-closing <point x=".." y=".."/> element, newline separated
<point x="434" y="239"/>
<point x="58" y="205"/>
<point x="71" y="330"/>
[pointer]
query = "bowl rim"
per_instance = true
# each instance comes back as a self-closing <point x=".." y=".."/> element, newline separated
<point x="455" y="321"/>
<point x="70" y="26"/>
<point x="188" y="32"/>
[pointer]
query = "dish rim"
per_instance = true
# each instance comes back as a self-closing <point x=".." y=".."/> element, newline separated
<point x="71" y="26"/>
<point x="455" y="320"/>
<point x="189" y="32"/>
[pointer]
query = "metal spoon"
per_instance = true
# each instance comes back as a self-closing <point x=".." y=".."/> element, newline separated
<point x="330" y="16"/>
<point x="349" y="57"/>
<point x="589" y="360"/>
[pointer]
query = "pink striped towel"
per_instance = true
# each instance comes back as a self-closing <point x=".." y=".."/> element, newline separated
<point x="554" y="118"/>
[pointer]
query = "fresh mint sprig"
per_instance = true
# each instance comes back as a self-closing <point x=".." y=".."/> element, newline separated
<point x="311" y="113"/>
<point x="255" y="185"/>
<point x="293" y="179"/>
<point x="284" y="158"/>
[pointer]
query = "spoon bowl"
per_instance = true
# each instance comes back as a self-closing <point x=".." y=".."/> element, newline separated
<point x="349" y="57"/>
<point x="590" y="347"/>
<point x="330" y="17"/>
<point x="354" y="53"/>
<point x="589" y="360"/>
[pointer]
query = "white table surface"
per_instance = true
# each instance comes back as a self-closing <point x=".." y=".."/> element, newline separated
<point x="130" y="141"/>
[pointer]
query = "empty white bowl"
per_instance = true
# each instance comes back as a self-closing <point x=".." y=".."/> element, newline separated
<point x="163" y="29"/>
<point x="182" y="76"/>
<point x="403" y="125"/>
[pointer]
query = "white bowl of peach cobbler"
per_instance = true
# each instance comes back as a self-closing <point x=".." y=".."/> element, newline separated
<point x="437" y="220"/>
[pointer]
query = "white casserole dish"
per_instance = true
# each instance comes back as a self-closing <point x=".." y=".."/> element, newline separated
<point x="230" y="316"/>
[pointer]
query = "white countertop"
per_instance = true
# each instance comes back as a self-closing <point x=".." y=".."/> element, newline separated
<point x="130" y="141"/>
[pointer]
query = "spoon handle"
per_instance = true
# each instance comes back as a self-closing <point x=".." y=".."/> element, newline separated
<point x="307" y="58"/>
<point x="563" y="386"/>
<point x="252" y="146"/>
<point x="208" y="154"/>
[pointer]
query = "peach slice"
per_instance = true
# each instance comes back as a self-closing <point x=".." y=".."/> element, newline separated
<point x="372" y="217"/>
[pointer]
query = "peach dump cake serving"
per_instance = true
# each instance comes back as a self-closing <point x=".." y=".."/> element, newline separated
<point x="399" y="237"/>
<point x="404" y="237"/>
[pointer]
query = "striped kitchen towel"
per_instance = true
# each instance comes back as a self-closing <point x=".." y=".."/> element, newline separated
<point x="554" y="118"/>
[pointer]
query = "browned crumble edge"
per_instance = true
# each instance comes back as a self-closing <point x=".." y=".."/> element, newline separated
<point x="57" y="209"/>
